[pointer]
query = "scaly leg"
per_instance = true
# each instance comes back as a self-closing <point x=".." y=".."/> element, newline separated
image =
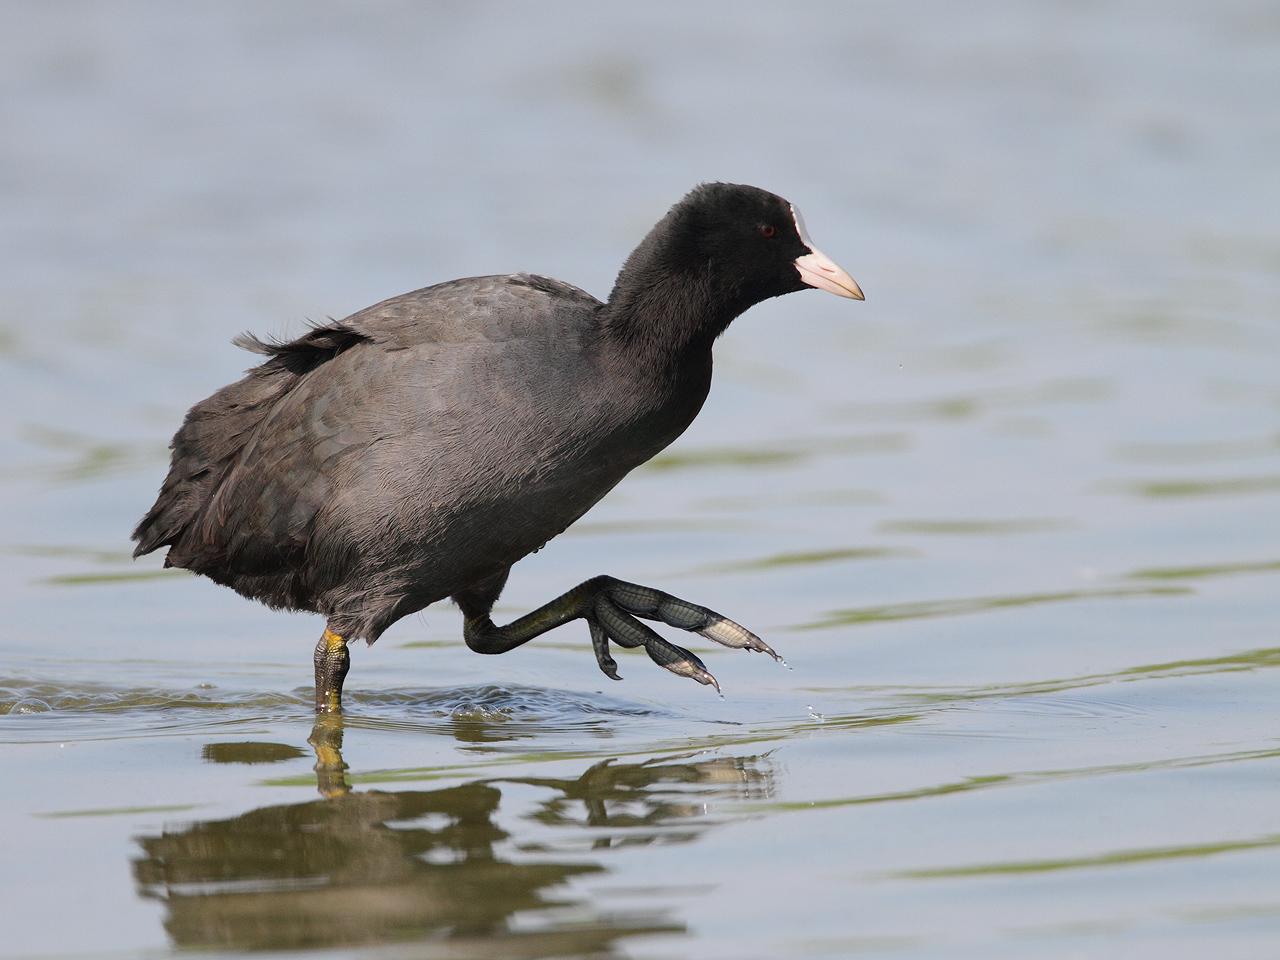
<point x="611" y="608"/>
<point x="332" y="663"/>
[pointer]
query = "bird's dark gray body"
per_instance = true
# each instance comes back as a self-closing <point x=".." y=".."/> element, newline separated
<point x="428" y="453"/>
<point x="417" y="449"/>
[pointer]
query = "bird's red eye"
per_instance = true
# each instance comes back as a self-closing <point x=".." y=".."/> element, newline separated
<point x="767" y="230"/>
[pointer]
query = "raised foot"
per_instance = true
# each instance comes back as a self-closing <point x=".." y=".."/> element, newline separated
<point x="613" y="616"/>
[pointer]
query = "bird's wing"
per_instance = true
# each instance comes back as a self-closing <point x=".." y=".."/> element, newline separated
<point x="374" y="378"/>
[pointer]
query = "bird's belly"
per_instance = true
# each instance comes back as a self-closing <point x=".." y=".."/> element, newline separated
<point x="458" y="541"/>
<point x="487" y="497"/>
<point x="500" y="533"/>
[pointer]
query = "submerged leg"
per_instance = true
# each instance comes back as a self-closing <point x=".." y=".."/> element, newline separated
<point x="332" y="663"/>
<point x="611" y="608"/>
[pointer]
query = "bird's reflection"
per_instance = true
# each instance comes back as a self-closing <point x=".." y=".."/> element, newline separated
<point x="362" y="867"/>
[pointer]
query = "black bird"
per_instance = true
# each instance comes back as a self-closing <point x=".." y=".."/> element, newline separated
<point x="417" y="449"/>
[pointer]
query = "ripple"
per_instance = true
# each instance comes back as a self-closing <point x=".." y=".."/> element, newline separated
<point x="59" y="551"/>
<point x="965" y="406"/>
<point x="483" y="704"/>
<point x="87" y="711"/>
<point x="652" y="525"/>
<point x="713" y="457"/>
<point x="1206" y="570"/>
<point x="1264" y="658"/>
<point x="1066" y="707"/>
<point x="116" y="811"/>
<point x="963" y="527"/>
<point x="923" y="609"/>
<point x="90" y="698"/>
<point x="1200" y="451"/>
<point x="802" y="558"/>
<point x="1017" y="778"/>
<point x="1118" y="858"/>
<point x="84" y="457"/>
<point x="78" y="711"/>
<point x="540" y="707"/>
<point x="112" y="576"/>
<point x="1057" y="698"/>
<point x="1218" y="487"/>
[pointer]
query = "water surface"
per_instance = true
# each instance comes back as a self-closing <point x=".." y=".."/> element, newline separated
<point x="1013" y="521"/>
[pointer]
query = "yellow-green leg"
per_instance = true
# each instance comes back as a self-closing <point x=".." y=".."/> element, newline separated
<point x="332" y="663"/>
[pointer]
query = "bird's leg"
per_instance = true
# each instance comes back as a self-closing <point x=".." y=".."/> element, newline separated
<point x="611" y="608"/>
<point x="332" y="663"/>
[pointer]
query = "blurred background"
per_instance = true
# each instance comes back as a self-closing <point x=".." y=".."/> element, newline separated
<point x="1013" y="520"/>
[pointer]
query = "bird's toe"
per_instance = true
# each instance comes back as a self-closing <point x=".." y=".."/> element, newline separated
<point x="681" y="662"/>
<point x="730" y="634"/>
<point x="600" y="644"/>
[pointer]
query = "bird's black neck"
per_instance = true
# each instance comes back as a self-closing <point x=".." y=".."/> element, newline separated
<point x="665" y="311"/>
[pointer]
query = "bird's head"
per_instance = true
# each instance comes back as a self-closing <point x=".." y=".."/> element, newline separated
<point x="750" y="245"/>
<point x="719" y="251"/>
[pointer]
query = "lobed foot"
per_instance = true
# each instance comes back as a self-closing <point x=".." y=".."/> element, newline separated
<point x="613" y="616"/>
<point x="613" y="610"/>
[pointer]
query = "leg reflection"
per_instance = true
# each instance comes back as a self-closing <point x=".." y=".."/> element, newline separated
<point x="326" y="740"/>
<point x="373" y="866"/>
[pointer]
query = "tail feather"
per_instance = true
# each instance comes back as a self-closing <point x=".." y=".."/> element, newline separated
<point x="217" y="428"/>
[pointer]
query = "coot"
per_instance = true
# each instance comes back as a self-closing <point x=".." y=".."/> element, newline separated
<point x="417" y="449"/>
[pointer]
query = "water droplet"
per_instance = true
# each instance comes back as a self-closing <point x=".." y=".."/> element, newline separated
<point x="30" y="705"/>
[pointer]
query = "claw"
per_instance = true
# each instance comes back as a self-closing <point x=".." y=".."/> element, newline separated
<point x="681" y="662"/>
<point x="600" y="643"/>
<point x="724" y="631"/>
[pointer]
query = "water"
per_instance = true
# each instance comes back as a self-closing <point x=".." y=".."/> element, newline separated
<point x="1013" y="522"/>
